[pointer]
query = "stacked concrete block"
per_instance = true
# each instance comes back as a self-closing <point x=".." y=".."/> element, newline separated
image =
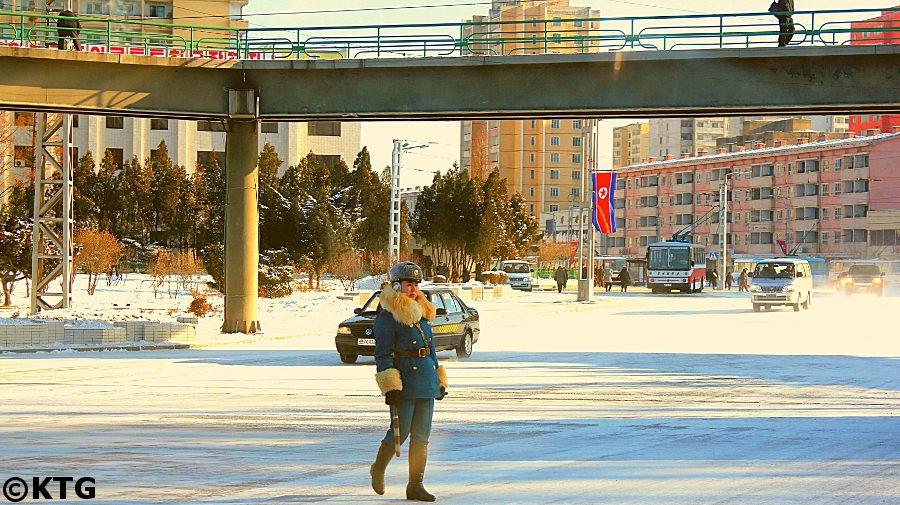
<point x="188" y="319"/>
<point x="134" y="330"/>
<point x="169" y="332"/>
<point x="31" y="333"/>
<point x="95" y="336"/>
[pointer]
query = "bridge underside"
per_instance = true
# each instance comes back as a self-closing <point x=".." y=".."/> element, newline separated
<point x="624" y="84"/>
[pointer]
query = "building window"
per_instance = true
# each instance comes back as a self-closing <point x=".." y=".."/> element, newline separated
<point x="554" y="157"/>
<point x="532" y="140"/>
<point x="159" y="124"/>
<point x="75" y="120"/>
<point x="554" y="191"/>
<point x="324" y="129"/>
<point x="837" y="164"/>
<point x="837" y="213"/>
<point x="210" y="126"/>
<point x="158" y="11"/>
<point x="824" y="213"/>
<point x="115" y="122"/>
<point x="576" y="141"/>
<point x="576" y="124"/>
<point x="531" y="191"/>
<point x="825" y="237"/>
<point x="554" y="141"/>
<point x="576" y="175"/>
<point x="532" y="175"/>
<point x="328" y="160"/>
<point x="554" y="123"/>
<point x="554" y="208"/>
<point x="205" y="158"/>
<point x="576" y="158"/>
<point x="825" y="188"/>
<point x="118" y="156"/>
<point x="533" y="123"/>
<point x="271" y="127"/>
<point x="576" y="192"/>
<point x="554" y="175"/>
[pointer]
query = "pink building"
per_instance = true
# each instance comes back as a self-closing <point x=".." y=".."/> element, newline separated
<point x="818" y="196"/>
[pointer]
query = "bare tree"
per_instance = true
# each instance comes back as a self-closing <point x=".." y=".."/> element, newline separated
<point x="347" y="267"/>
<point x="98" y="253"/>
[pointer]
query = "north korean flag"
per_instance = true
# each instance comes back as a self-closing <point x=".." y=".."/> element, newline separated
<point x="604" y="211"/>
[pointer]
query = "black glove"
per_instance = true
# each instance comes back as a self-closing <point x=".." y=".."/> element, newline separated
<point x="393" y="397"/>
<point x="443" y="393"/>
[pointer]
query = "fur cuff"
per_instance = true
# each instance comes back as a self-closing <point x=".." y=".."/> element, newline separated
<point x="442" y="376"/>
<point x="389" y="380"/>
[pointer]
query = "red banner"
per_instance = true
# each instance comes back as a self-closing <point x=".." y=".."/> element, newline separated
<point x="603" y="201"/>
<point x="572" y="253"/>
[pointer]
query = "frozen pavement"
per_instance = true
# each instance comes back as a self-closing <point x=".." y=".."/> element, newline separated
<point x="636" y="398"/>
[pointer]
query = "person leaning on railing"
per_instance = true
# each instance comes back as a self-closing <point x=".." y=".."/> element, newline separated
<point x="67" y="28"/>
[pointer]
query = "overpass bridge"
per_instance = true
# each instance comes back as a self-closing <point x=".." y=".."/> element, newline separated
<point x="826" y="79"/>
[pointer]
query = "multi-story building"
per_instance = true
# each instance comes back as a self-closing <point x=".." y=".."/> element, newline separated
<point x="187" y="141"/>
<point x="829" y="198"/>
<point x="672" y="137"/>
<point x="872" y="32"/>
<point x="541" y="159"/>
<point x="631" y="144"/>
<point x="774" y="132"/>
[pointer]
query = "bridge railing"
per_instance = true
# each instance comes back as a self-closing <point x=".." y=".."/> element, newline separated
<point x="573" y="35"/>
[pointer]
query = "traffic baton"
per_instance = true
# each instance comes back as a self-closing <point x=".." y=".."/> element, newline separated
<point x="395" y="421"/>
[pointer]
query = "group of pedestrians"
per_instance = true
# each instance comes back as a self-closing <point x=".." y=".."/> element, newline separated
<point x="602" y="278"/>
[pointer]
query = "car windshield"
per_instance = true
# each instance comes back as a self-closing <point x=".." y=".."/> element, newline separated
<point x="372" y="304"/>
<point x="864" y="270"/>
<point x="516" y="268"/>
<point x="774" y="271"/>
<point x="675" y="258"/>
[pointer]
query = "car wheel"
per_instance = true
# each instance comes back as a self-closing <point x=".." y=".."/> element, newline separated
<point x="465" y="346"/>
<point x="349" y="358"/>
<point x="755" y="307"/>
<point x="796" y="307"/>
<point x="805" y="304"/>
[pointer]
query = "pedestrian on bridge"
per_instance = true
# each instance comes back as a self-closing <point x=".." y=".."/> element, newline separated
<point x="408" y="376"/>
<point x="67" y="28"/>
<point x="783" y="11"/>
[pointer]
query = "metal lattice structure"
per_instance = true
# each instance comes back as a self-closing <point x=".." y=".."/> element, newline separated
<point x="51" y="256"/>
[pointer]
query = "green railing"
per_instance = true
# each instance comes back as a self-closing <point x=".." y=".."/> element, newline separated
<point x="577" y="35"/>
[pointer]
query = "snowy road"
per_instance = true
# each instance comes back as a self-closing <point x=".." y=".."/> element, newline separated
<point x="633" y="399"/>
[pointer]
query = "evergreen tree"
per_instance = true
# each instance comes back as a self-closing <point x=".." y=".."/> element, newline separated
<point x="85" y="205"/>
<point x="15" y="238"/>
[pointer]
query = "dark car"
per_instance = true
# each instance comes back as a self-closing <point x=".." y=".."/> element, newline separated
<point x="454" y="328"/>
<point x="862" y="278"/>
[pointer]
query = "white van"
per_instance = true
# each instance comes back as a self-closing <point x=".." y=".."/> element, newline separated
<point x="781" y="281"/>
<point x="519" y="273"/>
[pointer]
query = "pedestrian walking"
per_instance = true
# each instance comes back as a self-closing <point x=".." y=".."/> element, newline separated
<point x="729" y="279"/>
<point x="408" y="375"/>
<point x="714" y="279"/>
<point x="67" y="29"/>
<point x="562" y="277"/>
<point x="744" y="281"/>
<point x="783" y="10"/>
<point x="624" y="279"/>
<point x="607" y="278"/>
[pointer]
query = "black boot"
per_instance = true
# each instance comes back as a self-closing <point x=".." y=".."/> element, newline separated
<point x="418" y="456"/>
<point x="385" y="453"/>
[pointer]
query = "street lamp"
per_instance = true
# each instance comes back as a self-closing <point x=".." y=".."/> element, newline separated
<point x="400" y="146"/>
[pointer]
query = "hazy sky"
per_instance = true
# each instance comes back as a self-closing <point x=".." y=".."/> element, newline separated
<point x="418" y="164"/>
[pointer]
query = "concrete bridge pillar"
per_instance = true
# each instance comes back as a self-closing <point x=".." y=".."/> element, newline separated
<point x="241" y="226"/>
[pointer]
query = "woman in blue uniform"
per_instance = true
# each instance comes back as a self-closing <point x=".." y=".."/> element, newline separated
<point x="408" y="373"/>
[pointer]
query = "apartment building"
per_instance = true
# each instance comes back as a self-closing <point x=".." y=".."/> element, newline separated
<point x="672" y="137"/>
<point x="540" y="158"/>
<point x="830" y="198"/>
<point x="631" y="144"/>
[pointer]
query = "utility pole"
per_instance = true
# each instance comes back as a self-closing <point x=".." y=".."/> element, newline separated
<point x="723" y="200"/>
<point x="394" y="235"/>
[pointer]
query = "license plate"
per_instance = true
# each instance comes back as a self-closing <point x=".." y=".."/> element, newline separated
<point x="365" y="341"/>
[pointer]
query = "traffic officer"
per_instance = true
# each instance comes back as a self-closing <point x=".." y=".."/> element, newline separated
<point x="408" y="373"/>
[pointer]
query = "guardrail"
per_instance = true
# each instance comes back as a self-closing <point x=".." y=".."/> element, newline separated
<point x="574" y="35"/>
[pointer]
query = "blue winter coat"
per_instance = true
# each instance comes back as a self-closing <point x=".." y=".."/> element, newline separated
<point x="398" y="329"/>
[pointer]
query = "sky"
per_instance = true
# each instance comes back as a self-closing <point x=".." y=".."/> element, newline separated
<point x="419" y="165"/>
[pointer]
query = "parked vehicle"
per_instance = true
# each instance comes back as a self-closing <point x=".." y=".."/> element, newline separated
<point x="862" y="278"/>
<point x="781" y="281"/>
<point x="454" y="328"/>
<point x="519" y="274"/>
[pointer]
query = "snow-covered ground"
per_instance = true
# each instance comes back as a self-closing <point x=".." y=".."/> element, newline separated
<point x="634" y="398"/>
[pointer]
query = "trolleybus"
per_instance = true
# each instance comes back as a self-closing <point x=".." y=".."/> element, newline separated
<point x="675" y="265"/>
